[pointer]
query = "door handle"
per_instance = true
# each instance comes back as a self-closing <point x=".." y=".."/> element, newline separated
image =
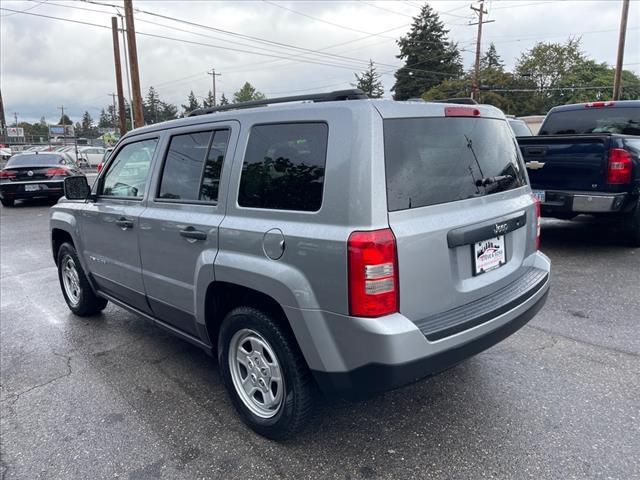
<point x="193" y="234"/>
<point x="124" y="223"/>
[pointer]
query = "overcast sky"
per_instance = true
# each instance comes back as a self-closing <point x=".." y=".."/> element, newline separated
<point x="46" y="62"/>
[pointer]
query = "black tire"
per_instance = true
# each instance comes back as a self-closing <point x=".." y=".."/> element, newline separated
<point x="88" y="302"/>
<point x="634" y="226"/>
<point x="7" y="202"/>
<point x="299" y="388"/>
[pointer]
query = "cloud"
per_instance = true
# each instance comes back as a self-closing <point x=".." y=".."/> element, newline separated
<point x="46" y="63"/>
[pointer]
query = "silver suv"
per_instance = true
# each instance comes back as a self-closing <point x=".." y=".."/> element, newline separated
<point x="327" y="243"/>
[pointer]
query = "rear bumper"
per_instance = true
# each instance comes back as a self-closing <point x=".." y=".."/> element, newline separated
<point x="354" y="357"/>
<point x="17" y="191"/>
<point x="375" y="378"/>
<point x="582" y="202"/>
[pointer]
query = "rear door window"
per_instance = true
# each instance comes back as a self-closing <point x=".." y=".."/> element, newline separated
<point x="284" y="166"/>
<point x="193" y="165"/>
<point x="444" y="159"/>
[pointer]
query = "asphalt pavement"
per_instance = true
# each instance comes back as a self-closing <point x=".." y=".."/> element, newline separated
<point x="115" y="397"/>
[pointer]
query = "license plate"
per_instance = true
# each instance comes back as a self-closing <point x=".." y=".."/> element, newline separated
<point x="540" y="195"/>
<point x="31" y="188"/>
<point x="488" y="255"/>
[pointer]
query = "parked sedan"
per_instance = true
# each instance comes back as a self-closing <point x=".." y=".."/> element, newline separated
<point x="35" y="175"/>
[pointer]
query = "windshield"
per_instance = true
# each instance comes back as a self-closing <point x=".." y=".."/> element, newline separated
<point x="35" y="160"/>
<point x="624" y="120"/>
<point x="444" y="159"/>
<point x="520" y="128"/>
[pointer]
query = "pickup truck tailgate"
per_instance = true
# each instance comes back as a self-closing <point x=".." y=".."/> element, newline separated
<point x="566" y="162"/>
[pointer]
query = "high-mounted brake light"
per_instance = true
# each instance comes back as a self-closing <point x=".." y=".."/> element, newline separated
<point x="538" y="214"/>
<point x="56" y="172"/>
<point x="620" y="166"/>
<point x="461" y="112"/>
<point x="599" y="104"/>
<point x="373" y="273"/>
<point x="7" y="174"/>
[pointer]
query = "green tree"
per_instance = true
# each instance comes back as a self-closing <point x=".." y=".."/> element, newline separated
<point x="545" y="68"/>
<point x="209" y="100"/>
<point x="247" y="93"/>
<point x="429" y="56"/>
<point x="224" y="100"/>
<point x="151" y="106"/>
<point x="369" y="82"/>
<point x="65" y="120"/>
<point x="192" y="103"/>
<point x="105" y="120"/>
<point x="168" y="111"/>
<point x="491" y="60"/>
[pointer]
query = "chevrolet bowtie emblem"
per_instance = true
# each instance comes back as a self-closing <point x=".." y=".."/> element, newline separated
<point x="534" y="165"/>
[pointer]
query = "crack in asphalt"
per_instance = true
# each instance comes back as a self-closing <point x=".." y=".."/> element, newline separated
<point x="16" y="396"/>
<point x="585" y="342"/>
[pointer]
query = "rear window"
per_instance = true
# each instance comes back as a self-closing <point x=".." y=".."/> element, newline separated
<point x="439" y="160"/>
<point x="35" y="160"/>
<point x="593" y="120"/>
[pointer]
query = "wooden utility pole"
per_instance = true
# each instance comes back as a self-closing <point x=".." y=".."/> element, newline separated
<point x="617" y="82"/>
<point x="138" y="114"/>
<point x="3" y="120"/>
<point x="213" y="76"/>
<point x="122" y="115"/>
<point x="476" y="74"/>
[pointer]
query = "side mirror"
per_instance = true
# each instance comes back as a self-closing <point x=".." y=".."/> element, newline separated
<point x="76" y="188"/>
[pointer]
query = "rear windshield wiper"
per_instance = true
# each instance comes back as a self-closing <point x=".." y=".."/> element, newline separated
<point x="483" y="182"/>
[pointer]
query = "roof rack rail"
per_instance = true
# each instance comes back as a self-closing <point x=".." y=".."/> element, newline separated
<point x="338" y="95"/>
<point x="460" y="100"/>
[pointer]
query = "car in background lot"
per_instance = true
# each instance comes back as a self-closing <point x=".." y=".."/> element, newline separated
<point x="519" y="127"/>
<point x="417" y="249"/>
<point x="92" y="156"/>
<point x="5" y="153"/>
<point x="35" y="175"/>
<point x="586" y="159"/>
<point x="105" y="157"/>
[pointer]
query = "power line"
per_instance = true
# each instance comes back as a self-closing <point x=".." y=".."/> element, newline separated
<point x="26" y="9"/>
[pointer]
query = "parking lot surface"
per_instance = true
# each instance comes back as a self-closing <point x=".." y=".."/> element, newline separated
<point x="114" y="397"/>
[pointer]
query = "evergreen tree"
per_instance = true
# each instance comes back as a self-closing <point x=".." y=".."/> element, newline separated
<point x="168" y="111"/>
<point x="429" y="56"/>
<point x="192" y="103"/>
<point x="65" y="120"/>
<point x="369" y="82"/>
<point x="247" y="93"/>
<point x="491" y="59"/>
<point x="104" y="121"/>
<point x="209" y="100"/>
<point x="151" y="106"/>
<point x="224" y="100"/>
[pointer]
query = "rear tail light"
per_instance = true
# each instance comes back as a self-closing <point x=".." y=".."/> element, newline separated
<point x="620" y="166"/>
<point x="536" y="200"/>
<point x="7" y="174"/>
<point x="56" y="172"/>
<point x="373" y="273"/>
<point x="461" y="112"/>
<point x="99" y="167"/>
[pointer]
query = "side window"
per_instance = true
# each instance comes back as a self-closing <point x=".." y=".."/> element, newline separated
<point x="193" y="165"/>
<point x="128" y="173"/>
<point x="183" y="166"/>
<point x="284" y="166"/>
<point x="213" y="166"/>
